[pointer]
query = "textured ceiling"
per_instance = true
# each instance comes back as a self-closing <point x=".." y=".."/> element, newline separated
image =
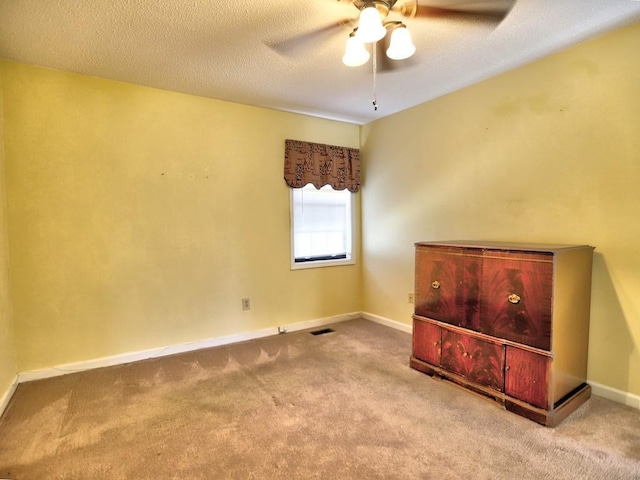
<point x="286" y="54"/>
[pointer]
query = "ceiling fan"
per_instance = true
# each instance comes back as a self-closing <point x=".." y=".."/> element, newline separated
<point x="380" y="26"/>
<point x="374" y="23"/>
<point x="379" y="32"/>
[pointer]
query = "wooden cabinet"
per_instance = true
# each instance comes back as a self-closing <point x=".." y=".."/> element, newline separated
<point x="510" y="321"/>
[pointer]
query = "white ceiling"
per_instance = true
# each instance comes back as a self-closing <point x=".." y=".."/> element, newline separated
<point x="286" y="54"/>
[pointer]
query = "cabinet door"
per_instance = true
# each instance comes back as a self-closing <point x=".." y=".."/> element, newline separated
<point x="447" y="285"/>
<point x="515" y="303"/>
<point x="526" y="376"/>
<point x="426" y="342"/>
<point x="479" y="361"/>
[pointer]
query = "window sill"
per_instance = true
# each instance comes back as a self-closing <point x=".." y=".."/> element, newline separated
<point x="322" y="263"/>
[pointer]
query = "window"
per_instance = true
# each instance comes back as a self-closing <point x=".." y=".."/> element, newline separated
<point x="321" y="227"/>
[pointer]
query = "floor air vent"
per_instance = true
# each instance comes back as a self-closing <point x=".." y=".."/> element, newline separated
<point x="322" y="332"/>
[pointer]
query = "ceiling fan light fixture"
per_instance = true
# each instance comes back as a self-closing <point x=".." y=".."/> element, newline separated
<point x="370" y="28"/>
<point x="355" y="53"/>
<point x="400" y="46"/>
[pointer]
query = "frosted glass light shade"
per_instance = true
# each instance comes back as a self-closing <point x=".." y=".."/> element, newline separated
<point x="370" y="27"/>
<point x="355" y="53"/>
<point x="401" y="46"/>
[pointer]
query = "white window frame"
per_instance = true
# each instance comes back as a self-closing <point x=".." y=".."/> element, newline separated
<point x="351" y="256"/>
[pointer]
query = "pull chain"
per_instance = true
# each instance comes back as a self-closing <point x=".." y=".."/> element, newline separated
<point x="375" y="79"/>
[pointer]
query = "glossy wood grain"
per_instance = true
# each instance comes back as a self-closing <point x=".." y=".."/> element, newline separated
<point x="526" y="376"/>
<point x="447" y="286"/>
<point x="479" y="361"/>
<point x="438" y="285"/>
<point x="516" y="299"/>
<point x="426" y="342"/>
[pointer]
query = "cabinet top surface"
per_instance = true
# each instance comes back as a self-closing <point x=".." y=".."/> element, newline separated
<point x="513" y="246"/>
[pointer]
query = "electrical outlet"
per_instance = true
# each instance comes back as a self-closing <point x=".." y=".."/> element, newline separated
<point x="282" y="329"/>
<point x="410" y="297"/>
<point x="246" y="304"/>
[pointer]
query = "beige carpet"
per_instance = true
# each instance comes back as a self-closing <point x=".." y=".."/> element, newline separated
<point x="343" y="405"/>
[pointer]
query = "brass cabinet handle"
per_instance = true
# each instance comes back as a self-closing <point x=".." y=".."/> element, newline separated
<point x="435" y="284"/>
<point x="513" y="298"/>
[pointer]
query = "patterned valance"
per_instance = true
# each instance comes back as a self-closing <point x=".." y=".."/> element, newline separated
<point x="321" y="165"/>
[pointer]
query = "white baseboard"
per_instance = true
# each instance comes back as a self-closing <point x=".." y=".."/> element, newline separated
<point x="321" y="322"/>
<point x="174" y="349"/>
<point x="388" y="322"/>
<point x="4" y="399"/>
<point x="604" y="391"/>
<point x="614" y="394"/>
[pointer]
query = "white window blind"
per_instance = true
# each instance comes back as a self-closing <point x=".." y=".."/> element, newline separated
<point x="321" y="224"/>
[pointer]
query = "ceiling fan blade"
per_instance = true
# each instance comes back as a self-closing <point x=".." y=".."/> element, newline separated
<point x="492" y="11"/>
<point x="489" y="10"/>
<point x="301" y="44"/>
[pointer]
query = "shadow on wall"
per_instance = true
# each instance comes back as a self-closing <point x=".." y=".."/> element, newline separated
<point x="610" y="341"/>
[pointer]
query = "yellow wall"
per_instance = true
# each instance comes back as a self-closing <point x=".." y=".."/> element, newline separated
<point x="8" y="368"/>
<point x="550" y="153"/>
<point x="139" y="218"/>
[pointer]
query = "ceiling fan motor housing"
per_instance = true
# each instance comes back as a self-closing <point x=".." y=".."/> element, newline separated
<point x="383" y="6"/>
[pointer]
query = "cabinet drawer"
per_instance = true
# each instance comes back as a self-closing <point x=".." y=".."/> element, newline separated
<point x="516" y="299"/>
<point x="447" y="285"/>
<point x="426" y="342"/>
<point x="526" y="376"/>
<point x="479" y="361"/>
